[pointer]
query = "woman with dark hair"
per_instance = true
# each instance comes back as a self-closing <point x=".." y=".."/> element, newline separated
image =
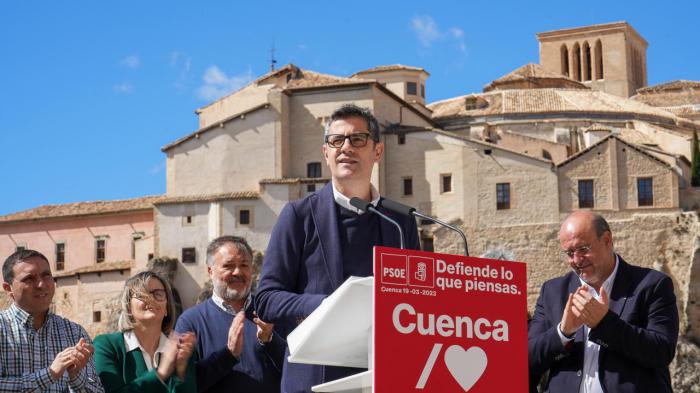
<point x="146" y="355"/>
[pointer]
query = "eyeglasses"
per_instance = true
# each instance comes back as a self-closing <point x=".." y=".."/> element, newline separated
<point x="356" y="140"/>
<point x="578" y="251"/>
<point x="158" y="294"/>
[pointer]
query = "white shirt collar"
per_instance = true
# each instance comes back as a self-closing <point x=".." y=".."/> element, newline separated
<point x="608" y="283"/>
<point x="219" y="301"/>
<point x="344" y="201"/>
<point x="131" y="342"/>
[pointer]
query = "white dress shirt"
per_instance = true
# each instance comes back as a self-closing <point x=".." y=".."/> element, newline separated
<point x="344" y="201"/>
<point x="590" y="382"/>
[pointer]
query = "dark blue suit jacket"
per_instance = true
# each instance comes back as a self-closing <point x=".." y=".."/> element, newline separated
<point x="637" y="336"/>
<point x="303" y="265"/>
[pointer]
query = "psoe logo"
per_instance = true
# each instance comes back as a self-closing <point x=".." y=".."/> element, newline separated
<point x="394" y="270"/>
<point x="421" y="272"/>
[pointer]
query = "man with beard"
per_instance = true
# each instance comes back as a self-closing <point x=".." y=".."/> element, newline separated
<point x="236" y="351"/>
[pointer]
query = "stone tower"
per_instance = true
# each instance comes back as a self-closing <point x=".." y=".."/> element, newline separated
<point x="609" y="57"/>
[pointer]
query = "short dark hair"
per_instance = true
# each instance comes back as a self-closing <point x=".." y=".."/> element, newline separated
<point x="352" y="110"/>
<point x="238" y="241"/>
<point x="8" y="273"/>
<point x="600" y="225"/>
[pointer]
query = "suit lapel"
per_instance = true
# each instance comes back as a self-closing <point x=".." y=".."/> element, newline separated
<point x="620" y="289"/>
<point x="326" y="222"/>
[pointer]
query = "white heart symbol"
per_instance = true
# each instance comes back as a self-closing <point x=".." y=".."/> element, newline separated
<point x="467" y="366"/>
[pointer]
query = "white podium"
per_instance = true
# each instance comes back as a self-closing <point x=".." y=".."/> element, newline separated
<point x="339" y="333"/>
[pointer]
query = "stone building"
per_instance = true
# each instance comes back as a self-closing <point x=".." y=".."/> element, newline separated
<point x="92" y="248"/>
<point x="505" y="164"/>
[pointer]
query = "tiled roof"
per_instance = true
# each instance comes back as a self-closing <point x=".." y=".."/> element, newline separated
<point x="672" y="85"/>
<point x="532" y="101"/>
<point x="296" y="180"/>
<point x="597" y="127"/>
<point x="680" y="97"/>
<point x="486" y="145"/>
<point x="82" y="209"/>
<point x="533" y="76"/>
<point x="390" y="67"/>
<point x="308" y="78"/>
<point x="240" y="195"/>
<point x="97" y="268"/>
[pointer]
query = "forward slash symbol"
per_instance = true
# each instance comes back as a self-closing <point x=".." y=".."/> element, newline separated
<point x="428" y="368"/>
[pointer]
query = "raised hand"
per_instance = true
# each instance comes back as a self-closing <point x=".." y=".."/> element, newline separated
<point x="235" y="335"/>
<point x="589" y="309"/>
<point x="264" y="332"/>
<point x="186" y="345"/>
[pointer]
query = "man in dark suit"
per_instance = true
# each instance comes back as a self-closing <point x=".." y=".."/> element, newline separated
<point x="321" y="240"/>
<point x="607" y="326"/>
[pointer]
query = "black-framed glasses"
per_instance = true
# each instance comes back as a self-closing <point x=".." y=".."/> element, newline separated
<point x="356" y="140"/>
<point x="578" y="251"/>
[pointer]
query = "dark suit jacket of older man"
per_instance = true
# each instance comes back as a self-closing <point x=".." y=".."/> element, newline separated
<point x="303" y="265"/>
<point x="637" y="336"/>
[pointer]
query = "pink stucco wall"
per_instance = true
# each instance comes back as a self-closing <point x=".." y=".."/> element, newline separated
<point x="79" y="236"/>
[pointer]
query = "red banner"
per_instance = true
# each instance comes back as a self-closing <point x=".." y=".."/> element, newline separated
<point x="448" y="323"/>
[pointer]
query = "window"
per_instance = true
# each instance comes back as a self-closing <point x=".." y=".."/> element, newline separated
<point x="189" y="255"/>
<point x="411" y="88"/>
<point x="446" y="182"/>
<point x="96" y="316"/>
<point x="310" y="188"/>
<point x="135" y="237"/>
<point x="244" y="217"/>
<point x="60" y="256"/>
<point x="407" y="186"/>
<point x="585" y="193"/>
<point x="401" y="139"/>
<point x="645" y="191"/>
<point x="100" y="248"/>
<point x="313" y="169"/>
<point x="20" y="248"/>
<point x="188" y="220"/>
<point x="502" y="196"/>
<point x="598" y="60"/>
<point x="564" y="60"/>
<point x="422" y="90"/>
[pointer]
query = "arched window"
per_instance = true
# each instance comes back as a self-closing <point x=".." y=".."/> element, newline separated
<point x="586" y="50"/>
<point x="576" y="66"/>
<point x="598" y="60"/>
<point x="564" y="60"/>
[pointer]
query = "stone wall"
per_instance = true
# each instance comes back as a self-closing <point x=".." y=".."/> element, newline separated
<point x="666" y="241"/>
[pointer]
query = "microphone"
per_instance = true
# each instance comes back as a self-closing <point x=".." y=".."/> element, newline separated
<point x="368" y="207"/>
<point x="411" y="211"/>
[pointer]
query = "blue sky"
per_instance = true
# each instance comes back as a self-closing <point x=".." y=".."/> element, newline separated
<point x="91" y="90"/>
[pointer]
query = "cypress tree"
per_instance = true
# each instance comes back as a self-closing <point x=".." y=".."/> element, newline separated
<point x="695" y="162"/>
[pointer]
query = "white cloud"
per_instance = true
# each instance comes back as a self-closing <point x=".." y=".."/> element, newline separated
<point x="158" y="168"/>
<point x="181" y="61"/>
<point x="458" y="35"/>
<point x="428" y="32"/>
<point x="131" y="61"/>
<point x="425" y="28"/>
<point x="123" y="88"/>
<point x="217" y="83"/>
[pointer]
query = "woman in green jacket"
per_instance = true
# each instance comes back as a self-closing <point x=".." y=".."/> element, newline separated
<point x="146" y="355"/>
